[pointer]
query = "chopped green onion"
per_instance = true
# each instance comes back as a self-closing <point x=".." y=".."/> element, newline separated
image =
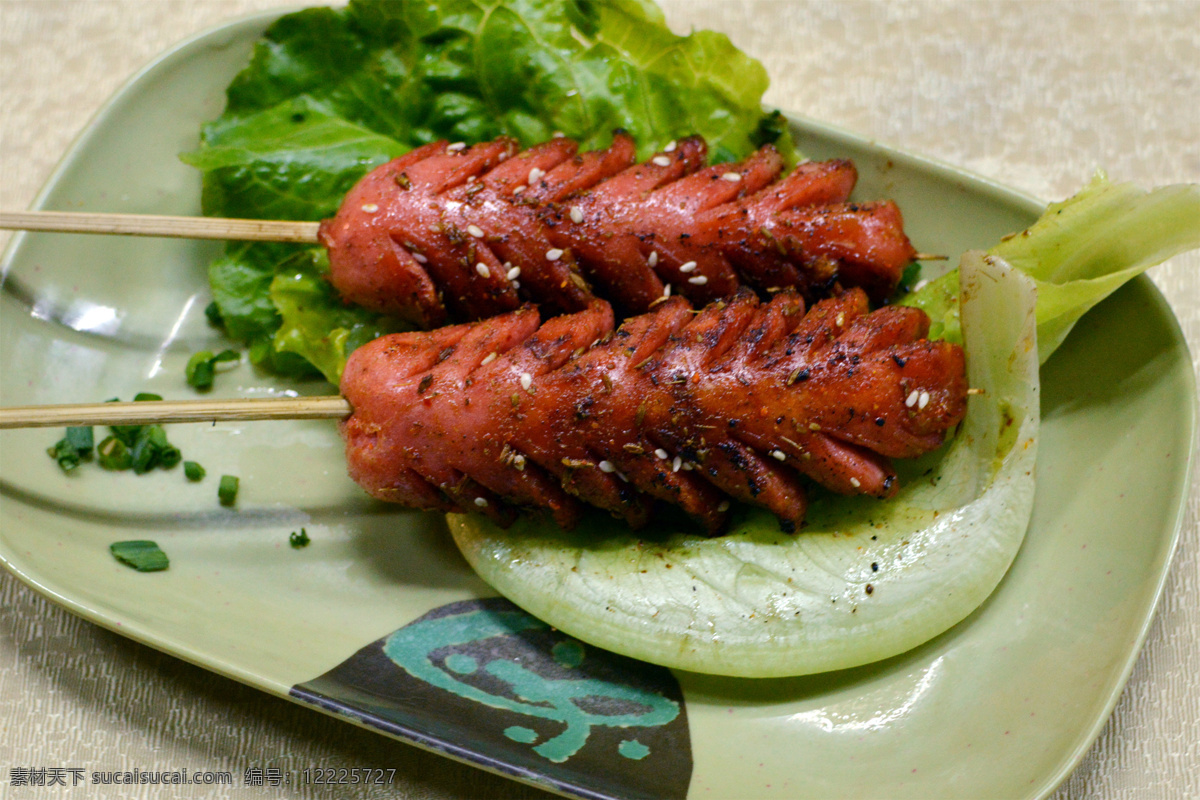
<point x="66" y="455"/>
<point x="145" y="450"/>
<point x="137" y="447"/>
<point x="73" y="448"/>
<point x="199" y="370"/>
<point x="141" y="554"/>
<point x="193" y="471"/>
<point x="228" y="489"/>
<point x="114" y="454"/>
<point x="81" y="438"/>
<point x="298" y="540"/>
<point x="169" y="457"/>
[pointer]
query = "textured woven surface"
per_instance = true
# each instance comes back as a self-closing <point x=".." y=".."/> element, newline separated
<point x="1033" y="95"/>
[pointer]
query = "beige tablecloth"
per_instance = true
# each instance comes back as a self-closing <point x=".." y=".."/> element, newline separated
<point x="1036" y="95"/>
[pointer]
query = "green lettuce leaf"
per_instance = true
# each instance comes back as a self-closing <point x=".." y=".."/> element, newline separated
<point x="1079" y="252"/>
<point x="330" y="94"/>
<point x="317" y="326"/>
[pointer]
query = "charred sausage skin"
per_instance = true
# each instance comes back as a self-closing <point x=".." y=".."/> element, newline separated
<point x="451" y="232"/>
<point x="744" y="399"/>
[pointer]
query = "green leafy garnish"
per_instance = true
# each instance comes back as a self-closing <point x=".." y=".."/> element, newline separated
<point x="330" y="94"/>
<point x="193" y="471"/>
<point x="141" y="554"/>
<point x="227" y="490"/>
<point x="1079" y="252"/>
<point x="298" y="539"/>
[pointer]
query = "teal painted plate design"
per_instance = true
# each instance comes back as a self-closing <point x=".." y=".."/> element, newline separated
<point x="1003" y="704"/>
<point x="492" y="685"/>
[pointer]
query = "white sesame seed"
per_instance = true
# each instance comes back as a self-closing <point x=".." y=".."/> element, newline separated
<point x="483" y="270"/>
<point x="554" y="254"/>
<point x="723" y="507"/>
<point x="481" y="502"/>
<point x="662" y="161"/>
<point x="688" y="267"/>
<point x="370" y="208"/>
<point x="676" y="464"/>
<point x="912" y="399"/>
<point x="699" y="280"/>
<point x="513" y="273"/>
<point x="516" y="284"/>
<point x="841" y="318"/>
<point x="489" y="359"/>
<point x="662" y="454"/>
<point x="667" y="290"/>
<point x="576" y="214"/>
<point x="457" y="146"/>
<point x="519" y="189"/>
<point x="519" y="461"/>
<point x="526" y="381"/>
<point x="687" y="466"/>
<point x="420" y="259"/>
<point x="923" y="400"/>
<point x="653" y="258"/>
<point x="471" y="179"/>
<point x="855" y="482"/>
<point x="779" y="455"/>
<point x="732" y="177"/>
<point x="606" y="466"/>
<point x="621" y="475"/>
<point x="475" y="231"/>
<point x="670" y="148"/>
<point x="560" y="134"/>
<point x="535" y="175"/>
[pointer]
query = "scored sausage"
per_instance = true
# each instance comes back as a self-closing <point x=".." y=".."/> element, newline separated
<point x="451" y="232"/>
<point x="742" y="400"/>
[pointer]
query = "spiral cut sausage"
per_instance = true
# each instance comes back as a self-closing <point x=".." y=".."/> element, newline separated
<point x="744" y="400"/>
<point x="455" y="232"/>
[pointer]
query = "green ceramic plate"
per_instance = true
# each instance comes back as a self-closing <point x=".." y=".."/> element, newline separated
<point x="380" y="621"/>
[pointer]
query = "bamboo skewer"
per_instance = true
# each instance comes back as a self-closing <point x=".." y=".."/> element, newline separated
<point x="242" y="230"/>
<point x="153" y="412"/>
<point x="246" y="230"/>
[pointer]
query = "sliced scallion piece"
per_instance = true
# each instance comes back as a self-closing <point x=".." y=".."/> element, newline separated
<point x="298" y="539"/>
<point x="193" y="471"/>
<point x="227" y="490"/>
<point x="73" y="448"/>
<point x="201" y="368"/>
<point x="141" y="554"/>
<point x="114" y="454"/>
<point x="81" y="438"/>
